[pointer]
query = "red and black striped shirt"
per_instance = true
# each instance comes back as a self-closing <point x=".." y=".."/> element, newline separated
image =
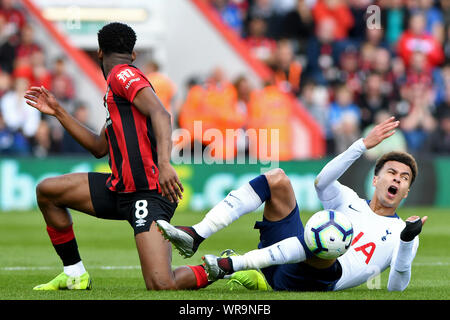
<point x="132" y="144"/>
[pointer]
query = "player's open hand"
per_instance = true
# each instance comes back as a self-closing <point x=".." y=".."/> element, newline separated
<point x="41" y="99"/>
<point x="380" y="132"/>
<point x="171" y="186"/>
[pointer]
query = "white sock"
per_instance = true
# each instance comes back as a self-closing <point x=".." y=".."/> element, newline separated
<point x="236" y="203"/>
<point x="75" y="270"/>
<point x="289" y="250"/>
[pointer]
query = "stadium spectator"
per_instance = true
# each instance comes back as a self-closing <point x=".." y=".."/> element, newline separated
<point x="244" y="91"/>
<point x="439" y="140"/>
<point x="287" y="70"/>
<point x="27" y="46"/>
<point x="358" y="9"/>
<point x="62" y="84"/>
<point x="41" y="75"/>
<point x="444" y="105"/>
<point x="375" y="37"/>
<point x="7" y="47"/>
<point x="416" y="38"/>
<point x="349" y="71"/>
<point x="415" y="112"/>
<point x="215" y="105"/>
<point x="15" y="18"/>
<point x="434" y="19"/>
<point x="419" y="70"/>
<point x="230" y="14"/>
<point x="372" y="100"/>
<point x="18" y="116"/>
<point x="5" y="82"/>
<point x="260" y="45"/>
<point x="298" y="24"/>
<point x="396" y="142"/>
<point x="394" y="18"/>
<point x="315" y="98"/>
<point x="445" y="7"/>
<point x="366" y="57"/>
<point x="164" y="87"/>
<point x="446" y="45"/>
<point x="441" y="79"/>
<point x="263" y="9"/>
<point x="271" y="109"/>
<point x="69" y="145"/>
<point x="41" y="142"/>
<point x="12" y="142"/>
<point x="339" y="12"/>
<point x="344" y="119"/>
<point x="391" y="69"/>
<point x="322" y="54"/>
<point x="397" y="76"/>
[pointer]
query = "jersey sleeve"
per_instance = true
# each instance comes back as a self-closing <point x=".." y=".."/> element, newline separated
<point x="328" y="189"/>
<point x="127" y="81"/>
<point x="402" y="258"/>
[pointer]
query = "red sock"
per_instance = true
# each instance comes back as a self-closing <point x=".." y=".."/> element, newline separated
<point x="60" y="236"/>
<point x="200" y="275"/>
<point x="65" y="245"/>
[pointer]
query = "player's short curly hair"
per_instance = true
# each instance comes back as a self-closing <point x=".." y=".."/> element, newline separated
<point x="116" y="37"/>
<point x="398" y="156"/>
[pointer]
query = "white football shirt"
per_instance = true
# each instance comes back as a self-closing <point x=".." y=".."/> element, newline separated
<point x="376" y="239"/>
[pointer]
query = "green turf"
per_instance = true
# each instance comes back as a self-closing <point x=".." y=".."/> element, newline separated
<point x="107" y="247"/>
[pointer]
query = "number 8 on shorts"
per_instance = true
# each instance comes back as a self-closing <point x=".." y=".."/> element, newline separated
<point x="141" y="212"/>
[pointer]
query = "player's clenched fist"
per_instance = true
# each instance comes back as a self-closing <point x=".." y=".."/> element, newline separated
<point x="413" y="228"/>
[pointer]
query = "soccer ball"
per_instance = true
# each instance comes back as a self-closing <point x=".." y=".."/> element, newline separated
<point x="328" y="234"/>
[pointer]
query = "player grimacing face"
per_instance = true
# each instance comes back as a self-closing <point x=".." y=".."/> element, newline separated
<point x="392" y="183"/>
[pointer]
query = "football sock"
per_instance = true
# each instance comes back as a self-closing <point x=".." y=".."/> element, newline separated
<point x="66" y="247"/>
<point x="200" y="276"/>
<point x="289" y="250"/>
<point x="191" y="231"/>
<point x="75" y="270"/>
<point x="238" y="202"/>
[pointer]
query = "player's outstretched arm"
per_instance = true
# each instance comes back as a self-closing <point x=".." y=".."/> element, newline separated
<point x="400" y="273"/>
<point x="148" y="103"/>
<point x="326" y="183"/>
<point x="41" y="99"/>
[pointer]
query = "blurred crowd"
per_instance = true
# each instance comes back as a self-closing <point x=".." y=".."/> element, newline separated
<point x="352" y="67"/>
<point x="23" y="129"/>
<point x="348" y="67"/>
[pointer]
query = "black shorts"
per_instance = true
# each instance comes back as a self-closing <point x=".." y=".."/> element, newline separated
<point x="139" y="208"/>
<point x="294" y="276"/>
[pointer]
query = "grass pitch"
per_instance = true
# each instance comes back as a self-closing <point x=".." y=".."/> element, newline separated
<point x="107" y="248"/>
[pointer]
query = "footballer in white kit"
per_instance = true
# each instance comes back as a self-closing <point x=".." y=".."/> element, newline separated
<point x="380" y="240"/>
<point x="376" y="238"/>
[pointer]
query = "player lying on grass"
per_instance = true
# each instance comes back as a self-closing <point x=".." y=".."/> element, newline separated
<point x="142" y="186"/>
<point x="381" y="238"/>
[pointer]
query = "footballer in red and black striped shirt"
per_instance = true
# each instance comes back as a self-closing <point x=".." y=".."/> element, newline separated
<point x="142" y="187"/>
<point x="132" y="144"/>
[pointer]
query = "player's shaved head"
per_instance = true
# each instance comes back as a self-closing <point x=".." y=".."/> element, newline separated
<point x="116" y="37"/>
<point x="402" y="157"/>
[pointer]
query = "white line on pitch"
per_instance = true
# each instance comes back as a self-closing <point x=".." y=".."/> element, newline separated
<point x="24" y="268"/>
<point x="20" y="268"/>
